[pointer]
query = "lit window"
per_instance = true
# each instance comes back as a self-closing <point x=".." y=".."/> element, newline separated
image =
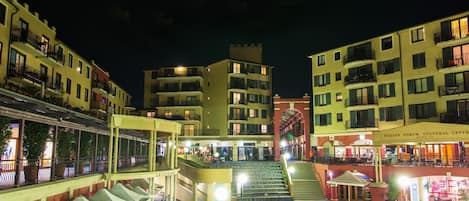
<point x="236" y="98"/>
<point x="459" y="28"/>
<point x="263" y="128"/>
<point x="189" y="130"/>
<point x="338" y="97"/>
<point x="264" y="71"/>
<point x="168" y="114"/>
<point x="417" y="34"/>
<point x="236" y="129"/>
<point x="236" y="68"/>
<point x="252" y="113"/>
<point x="187" y="114"/>
<point x="150" y="114"/>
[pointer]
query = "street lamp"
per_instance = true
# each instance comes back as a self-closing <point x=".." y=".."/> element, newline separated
<point x="404" y="182"/>
<point x="291" y="169"/>
<point x="221" y="194"/>
<point x="287" y="156"/>
<point x="242" y="179"/>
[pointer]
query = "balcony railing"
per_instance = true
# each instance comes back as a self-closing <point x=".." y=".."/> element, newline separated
<point x="26" y="72"/>
<point x="101" y="85"/>
<point x="366" y="100"/>
<point x="438" y="37"/>
<point x="454" y="117"/>
<point x="361" y="124"/>
<point x="359" y="78"/>
<point x="249" y="132"/>
<point x="189" y="73"/>
<point x="191" y="87"/>
<point x="58" y="57"/>
<point x="191" y="117"/>
<point x="237" y="86"/>
<point x="454" y="62"/>
<point x="180" y="103"/>
<point x="451" y="90"/>
<point x="56" y="86"/>
<point x="238" y="117"/>
<point x="238" y="102"/>
<point x="98" y="105"/>
<point x="29" y="37"/>
<point x="368" y="55"/>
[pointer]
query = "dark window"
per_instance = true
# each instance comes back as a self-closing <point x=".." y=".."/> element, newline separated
<point x="322" y="99"/>
<point x="338" y="76"/>
<point x="321" y="60"/>
<point x="387" y="90"/>
<point x="418" y="60"/>
<point x="69" y="86"/>
<point x="322" y="80"/>
<point x="417" y="34"/>
<point x="422" y="111"/>
<point x="80" y="67"/>
<point x="88" y="72"/>
<point x="3" y="10"/>
<point x="386" y="43"/>
<point x="339" y="117"/>
<point x="389" y="66"/>
<point x="58" y="81"/>
<point x="322" y="119"/>
<point x="421" y="85"/>
<point x="336" y="56"/>
<point x="154" y="74"/>
<point x="264" y="114"/>
<point x="390" y="113"/>
<point x="43" y="73"/>
<point x="70" y="60"/>
<point x="78" y="91"/>
<point x="86" y="94"/>
<point x="1" y="48"/>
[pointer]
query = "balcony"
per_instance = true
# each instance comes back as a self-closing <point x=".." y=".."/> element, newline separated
<point x="238" y="102"/>
<point x="452" y="90"/>
<point x="237" y="86"/>
<point x="358" y="59"/>
<point x="361" y="124"/>
<point x="191" y="87"/>
<point x="56" y="56"/>
<point x="179" y="103"/>
<point x="249" y="132"/>
<point x="366" y="100"/>
<point x="192" y="117"/>
<point x="172" y="74"/>
<point x="26" y="72"/>
<point x="238" y="117"/>
<point x="102" y="86"/>
<point x="359" y="78"/>
<point x="447" y="39"/>
<point x="457" y="62"/>
<point x="454" y="117"/>
<point x="97" y="105"/>
<point x="31" y="40"/>
<point x="56" y="87"/>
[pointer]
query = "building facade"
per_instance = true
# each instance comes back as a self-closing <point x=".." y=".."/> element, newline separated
<point x="224" y="107"/>
<point x="394" y="80"/>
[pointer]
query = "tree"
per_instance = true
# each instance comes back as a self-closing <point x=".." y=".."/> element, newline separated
<point x="34" y="143"/>
<point x="393" y="188"/>
<point x="5" y="132"/>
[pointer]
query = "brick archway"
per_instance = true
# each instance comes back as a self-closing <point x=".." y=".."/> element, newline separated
<point x="302" y="106"/>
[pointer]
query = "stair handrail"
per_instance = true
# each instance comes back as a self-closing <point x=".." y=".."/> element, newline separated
<point x="284" y="164"/>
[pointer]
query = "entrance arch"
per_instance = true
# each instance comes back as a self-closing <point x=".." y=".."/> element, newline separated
<point x="292" y="114"/>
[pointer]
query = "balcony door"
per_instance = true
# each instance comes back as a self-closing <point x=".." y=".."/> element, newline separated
<point x="362" y="96"/>
<point x="17" y="61"/>
<point x="362" y="118"/>
<point x="24" y="29"/>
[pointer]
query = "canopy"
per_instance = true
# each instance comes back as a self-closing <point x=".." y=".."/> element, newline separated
<point x="350" y="179"/>
<point x="105" y="195"/>
<point x="127" y="194"/>
<point x="422" y="132"/>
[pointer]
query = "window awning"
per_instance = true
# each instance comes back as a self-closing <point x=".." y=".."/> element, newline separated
<point x="422" y="132"/>
<point x="351" y="179"/>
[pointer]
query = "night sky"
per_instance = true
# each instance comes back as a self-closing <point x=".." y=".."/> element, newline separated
<point x="125" y="37"/>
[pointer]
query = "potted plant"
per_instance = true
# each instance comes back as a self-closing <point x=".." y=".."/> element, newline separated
<point x="64" y="149"/>
<point x="34" y="143"/>
<point x="86" y="143"/>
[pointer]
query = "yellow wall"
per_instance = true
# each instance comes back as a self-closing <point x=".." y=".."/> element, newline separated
<point x="216" y="98"/>
<point x="403" y="48"/>
<point x="4" y="39"/>
<point x="120" y="98"/>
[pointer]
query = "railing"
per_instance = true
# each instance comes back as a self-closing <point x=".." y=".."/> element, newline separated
<point x="413" y="162"/>
<point x="361" y="124"/>
<point x="360" y="78"/>
<point x="58" y="57"/>
<point x="239" y="102"/>
<point x="191" y="87"/>
<point x="249" y="132"/>
<point x="27" y="37"/>
<point x="56" y="86"/>
<point x="237" y="86"/>
<point x="238" y="117"/>
<point x="26" y="72"/>
<point x="451" y="90"/>
<point x="98" y="105"/>
<point x="438" y="37"/>
<point x="188" y="74"/>
<point x="455" y="61"/>
<point x="284" y="165"/>
<point x="179" y="103"/>
<point x="101" y="85"/>
<point x="365" y="100"/>
<point x="180" y="117"/>
<point x="454" y="117"/>
<point x="369" y="55"/>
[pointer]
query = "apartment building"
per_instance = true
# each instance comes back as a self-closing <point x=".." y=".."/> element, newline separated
<point x="120" y="99"/>
<point x="224" y="107"/>
<point x="417" y="74"/>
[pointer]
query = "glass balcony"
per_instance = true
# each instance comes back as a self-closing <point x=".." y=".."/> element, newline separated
<point x="454" y="117"/>
<point x="359" y="56"/>
<point x="451" y="90"/>
<point x="453" y="62"/>
<point x="359" y="78"/>
<point x="366" y="100"/>
<point x="361" y="124"/>
<point x="238" y="117"/>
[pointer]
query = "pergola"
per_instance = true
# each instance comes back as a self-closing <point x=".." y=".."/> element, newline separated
<point x="153" y="127"/>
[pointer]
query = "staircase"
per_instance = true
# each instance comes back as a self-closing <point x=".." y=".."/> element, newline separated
<point x="305" y="186"/>
<point x="265" y="182"/>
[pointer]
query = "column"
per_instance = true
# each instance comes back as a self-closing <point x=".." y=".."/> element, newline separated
<point x="109" y="159"/>
<point x="194" y="189"/>
<point x="333" y="193"/>
<point x="77" y="162"/>
<point x="54" y="153"/>
<point x="173" y="151"/>
<point x="19" y="153"/>
<point x="210" y="191"/>
<point x="116" y="150"/>
<point x="260" y="151"/>
<point x="235" y="152"/>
